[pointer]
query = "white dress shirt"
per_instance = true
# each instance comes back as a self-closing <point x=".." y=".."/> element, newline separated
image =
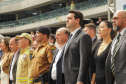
<point x="12" y="66"/>
<point x="54" y="68"/>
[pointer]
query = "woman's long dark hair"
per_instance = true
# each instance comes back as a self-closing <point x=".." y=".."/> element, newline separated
<point x="6" y="41"/>
<point x="109" y="25"/>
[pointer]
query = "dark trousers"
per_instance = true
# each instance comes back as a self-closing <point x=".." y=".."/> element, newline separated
<point x="63" y="80"/>
<point x="113" y="78"/>
<point x="11" y="82"/>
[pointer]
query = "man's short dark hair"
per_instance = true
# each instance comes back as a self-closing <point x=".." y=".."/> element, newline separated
<point x="91" y="26"/>
<point x="78" y="15"/>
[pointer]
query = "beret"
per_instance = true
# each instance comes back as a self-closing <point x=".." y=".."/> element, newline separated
<point x="44" y="30"/>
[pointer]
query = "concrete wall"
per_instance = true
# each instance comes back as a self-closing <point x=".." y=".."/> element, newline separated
<point x="90" y="13"/>
<point x="23" y="5"/>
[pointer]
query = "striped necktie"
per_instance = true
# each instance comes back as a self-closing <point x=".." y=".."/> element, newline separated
<point x="114" y="52"/>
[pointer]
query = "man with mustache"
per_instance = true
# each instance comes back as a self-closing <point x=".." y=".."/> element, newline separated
<point x="116" y="60"/>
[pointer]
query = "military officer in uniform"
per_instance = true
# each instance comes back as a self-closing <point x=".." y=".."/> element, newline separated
<point x="43" y="56"/>
<point x="24" y="61"/>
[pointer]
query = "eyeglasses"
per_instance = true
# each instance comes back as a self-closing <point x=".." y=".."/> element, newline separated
<point x="116" y="18"/>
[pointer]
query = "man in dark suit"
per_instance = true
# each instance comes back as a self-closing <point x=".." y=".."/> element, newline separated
<point x="62" y="35"/>
<point x="13" y="66"/>
<point x="90" y="29"/>
<point x="116" y="60"/>
<point x="77" y="51"/>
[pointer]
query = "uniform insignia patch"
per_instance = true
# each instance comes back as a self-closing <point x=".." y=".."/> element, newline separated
<point x="53" y="50"/>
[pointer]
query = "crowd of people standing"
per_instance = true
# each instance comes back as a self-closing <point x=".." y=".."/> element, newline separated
<point x="78" y="57"/>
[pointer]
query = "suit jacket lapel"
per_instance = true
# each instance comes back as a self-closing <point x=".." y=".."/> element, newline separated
<point x="94" y="40"/>
<point x="121" y="41"/>
<point x="72" y="40"/>
<point x="56" y="51"/>
<point x="11" y="62"/>
<point x="16" y="59"/>
<point x="94" y="43"/>
<point x="108" y="60"/>
<point x="77" y="33"/>
<point x="61" y="54"/>
<point x="113" y="41"/>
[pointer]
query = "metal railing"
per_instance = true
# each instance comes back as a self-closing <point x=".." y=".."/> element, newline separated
<point x="9" y="2"/>
<point x="55" y="13"/>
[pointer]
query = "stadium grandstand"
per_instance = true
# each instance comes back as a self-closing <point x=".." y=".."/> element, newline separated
<point x="17" y="16"/>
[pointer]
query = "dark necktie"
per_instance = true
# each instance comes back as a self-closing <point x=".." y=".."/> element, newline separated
<point x="69" y="39"/>
<point x="113" y="56"/>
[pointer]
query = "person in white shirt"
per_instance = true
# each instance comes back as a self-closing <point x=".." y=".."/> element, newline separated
<point x="62" y="35"/>
<point x="13" y="66"/>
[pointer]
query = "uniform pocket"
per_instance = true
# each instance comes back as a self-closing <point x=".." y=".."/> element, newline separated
<point x="39" y="59"/>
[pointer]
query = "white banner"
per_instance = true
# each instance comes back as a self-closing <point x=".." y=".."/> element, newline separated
<point x="120" y="5"/>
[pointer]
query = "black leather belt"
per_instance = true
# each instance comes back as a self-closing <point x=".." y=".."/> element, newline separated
<point x="36" y="80"/>
<point x="40" y="79"/>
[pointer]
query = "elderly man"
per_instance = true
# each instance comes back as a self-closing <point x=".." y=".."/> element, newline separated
<point x="116" y="60"/>
<point x="62" y="35"/>
<point x="43" y="56"/>
<point x="13" y="66"/>
<point x="24" y="61"/>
